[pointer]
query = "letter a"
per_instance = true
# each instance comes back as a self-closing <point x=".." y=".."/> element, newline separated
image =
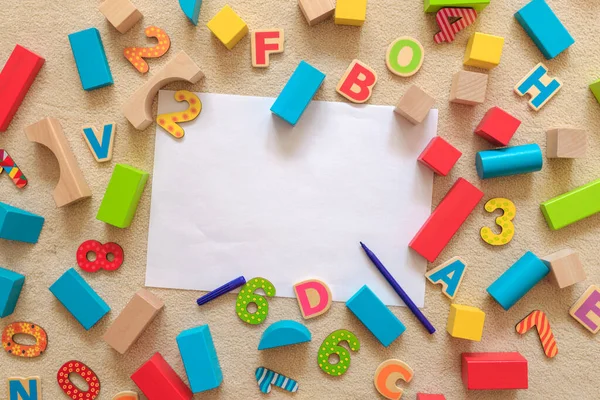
<point x="357" y="83"/>
<point x="263" y="43"/>
<point x="314" y="298"/>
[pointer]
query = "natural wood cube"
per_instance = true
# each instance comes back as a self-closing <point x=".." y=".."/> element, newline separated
<point x="566" y="143"/>
<point x="316" y="11"/>
<point x="566" y="267"/>
<point x="415" y="104"/>
<point x="468" y="88"/>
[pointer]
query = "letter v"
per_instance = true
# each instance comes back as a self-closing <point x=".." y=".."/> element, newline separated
<point x="101" y="145"/>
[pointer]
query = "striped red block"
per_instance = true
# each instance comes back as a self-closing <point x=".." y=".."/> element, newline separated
<point x="448" y="30"/>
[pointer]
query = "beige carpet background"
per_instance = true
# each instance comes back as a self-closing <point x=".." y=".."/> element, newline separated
<point x="43" y="28"/>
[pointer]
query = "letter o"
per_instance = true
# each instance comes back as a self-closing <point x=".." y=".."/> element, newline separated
<point x="405" y="56"/>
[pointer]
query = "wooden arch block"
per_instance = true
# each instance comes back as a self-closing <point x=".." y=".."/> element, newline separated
<point x="138" y="109"/>
<point x="71" y="185"/>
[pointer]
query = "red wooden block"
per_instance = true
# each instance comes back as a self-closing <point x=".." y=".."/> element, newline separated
<point x="157" y="380"/>
<point x="497" y="126"/>
<point x="423" y="396"/>
<point x="494" y="371"/>
<point x="445" y="220"/>
<point x="440" y="156"/>
<point x="15" y="79"/>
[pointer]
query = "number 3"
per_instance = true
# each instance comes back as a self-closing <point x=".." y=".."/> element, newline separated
<point x="504" y="221"/>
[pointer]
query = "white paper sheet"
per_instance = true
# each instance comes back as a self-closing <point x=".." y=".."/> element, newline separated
<point x="244" y="193"/>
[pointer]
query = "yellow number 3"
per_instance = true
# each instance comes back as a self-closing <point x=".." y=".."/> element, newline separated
<point x="508" y="229"/>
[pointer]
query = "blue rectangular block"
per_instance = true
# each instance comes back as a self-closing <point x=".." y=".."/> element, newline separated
<point x="371" y="311"/>
<point x="200" y="358"/>
<point x="79" y="298"/>
<point x="297" y="93"/>
<point x="11" y="284"/>
<point x="544" y="28"/>
<point x="90" y="58"/>
<point x="21" y="225"/>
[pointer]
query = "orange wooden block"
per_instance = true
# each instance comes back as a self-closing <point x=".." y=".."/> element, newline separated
<point x="566" y="267"/>
<point x="468" y="88"/>
<point x="133" y="320"/>
<point x="122" y="14"/>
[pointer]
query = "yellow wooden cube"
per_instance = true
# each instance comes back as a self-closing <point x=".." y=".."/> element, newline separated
<point x="228" y="27"/>
<point x="350" y="12"/>
<point x="484" y="51"/>
<point x="465" y="322"/>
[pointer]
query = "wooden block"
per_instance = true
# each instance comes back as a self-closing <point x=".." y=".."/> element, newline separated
<point x="12" y="169"/>
<point x="71" y="186"/>
<point x="544" y="28"/>
<point x="497" y="126"/>
<point x="16" y="78"/>
<point x="373" y="314"/>
<point x="516" y="281"/>
<point x="446" y="219"/>
<point x="483" y="51"/>
<point x="284" y="333"/>
<point x="36" y="332"/>
<point x="468" y="88"/>
<point x="386" y="376"/>
<point x="538" y="84"/>
<point x="29" y="388"/>
<point x="586" y="310"/>
<point x="79" y="299"/>
<point x="452" y="20"/>
<point x="449" y="275"/>
<point x="331" y="345"/>
<point x="314" y="298"/>
<point x="137" y="55"/>
<point x="465" y="322"/>
<point x="572" y="206"/>
<point x="423" y="396"/>
<point x="404" y="56"/>
<point x="263" y="43"/>
<point x="350" y="12"/>
<point x="246" y="296"/>
<point x="127" y="395"/>
<point x="414" y="105"/>
<point x="265" y="377"/>
<point x="70" y="389"/>
<point x="121" y="14"/>
<point x="431" y="6"/>
<point x="133" y="320"/>
<point x="494" y="371"/>
<point x="157" y="380"/>
<point x="566" y="267"/>
<point x="566" y="143"/>
<point x="191" y="9"/>
<point x="19" y="225"/>
<point x="11" y="284"/>
<point x="504" y="221"/>
<point x="100" y="143"/>
<point x="90" y="58"/>
<point x="509" y="161"/>
<point x="122" y="196"/>
<point x="170" y="121"/>
<point x="316" y="11"/>
<point x="539" y="319"/>
<point x="138" y="109"/>
<point x="228" y="27"/>
<point x="440" y="156"/>
<point x="200" y="358"/>
<point x="357" y="82"/>
<point x="595" y="88"/>
<point x="297" y="93"/>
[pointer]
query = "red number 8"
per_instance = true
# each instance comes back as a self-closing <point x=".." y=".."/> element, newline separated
<point x="102" y="252"/>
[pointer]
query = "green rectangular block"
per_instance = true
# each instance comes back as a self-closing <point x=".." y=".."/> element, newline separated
<point x="572" y="206"/>
<point x="122" y="196"/>
<point x="430" y="6"/>
<point x="595" y="88"/>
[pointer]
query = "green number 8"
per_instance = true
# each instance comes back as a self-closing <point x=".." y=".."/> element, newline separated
<point x="247" y="296"/>
<point x="331" y="346"/>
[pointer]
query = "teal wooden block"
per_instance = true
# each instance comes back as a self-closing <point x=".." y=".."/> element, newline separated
<point x="298" y="93"/>
<point x="544" y="28"/>
<point x="90" y="59"/>
<point x="11" y="284"/>
<point x="200" y="358"/>
<point x="191" y="9"/>
<point x="284" y="333"/>
<point x="79" y="298"/>
<point x="371" y="311"/>
<point x="595" y="88"/>
<point x="20" y="225"/>
<point x="516" y="281"/>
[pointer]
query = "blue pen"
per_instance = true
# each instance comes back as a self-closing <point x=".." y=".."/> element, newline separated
<point x="226" y="288"/>
<point x="396" y="286"/>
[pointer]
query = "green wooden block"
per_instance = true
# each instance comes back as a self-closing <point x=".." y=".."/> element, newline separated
<point x="430" y="6"/>
<point x="595" y="88"/>
<point x="572" y="206"/>
<point x="122" y="196"/>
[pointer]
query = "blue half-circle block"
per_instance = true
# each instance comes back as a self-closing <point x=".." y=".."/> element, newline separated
<point x="191" y="9"/>
<point x="284" y="333"/>
<point x="509" y="161"/>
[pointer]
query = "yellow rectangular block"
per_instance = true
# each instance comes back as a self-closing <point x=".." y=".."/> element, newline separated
<point x="350" y="12"/>
<point x="228" y="27"/>
<point x="483" y="51"/>
<point x="465" y="322"/>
